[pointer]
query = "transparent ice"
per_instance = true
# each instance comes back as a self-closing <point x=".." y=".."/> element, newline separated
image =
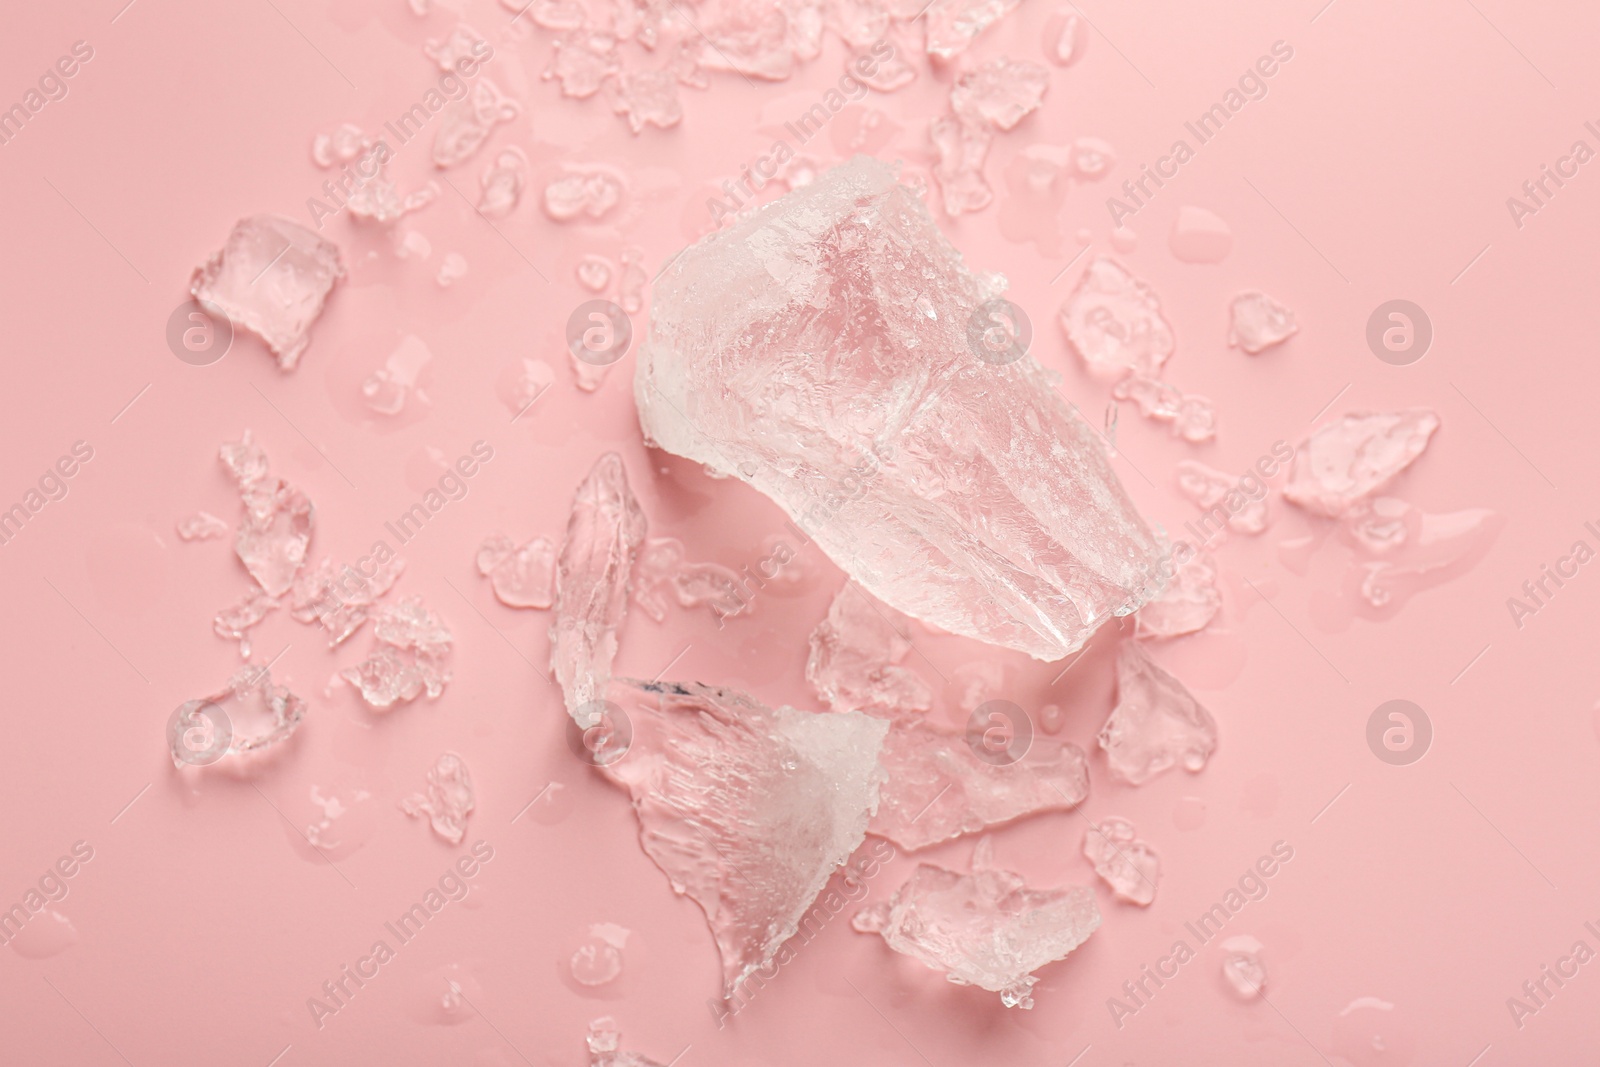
<point x="448" y="800"/>
<point x="1156" y="724"/>
<point x="1128" y="865"/>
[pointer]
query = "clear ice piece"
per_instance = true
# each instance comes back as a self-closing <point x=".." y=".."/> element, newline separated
<point x="985" y="928"/>
<point x="1157" y="724"/>
<point x="1128" y="865"/>
<point x="1001" y="92"/>
<point x="448" y="801"/>
<point x="962" y="148"/>
<point x="1114" y="322"/>
<point x="502" y="184"/>
<point x="412" y="654"/>
<point x="1225" y="499"/>
<point x="1355" y="456"/>
<point x="233" y="623"/>
<point x="662" y="569"/>
<point x="582" y="62"/>
<point x="387" y="388"/>
<point x="272" y="277"/>
<point x="254" y="714"/>
<point x="1259" y="322"/>
<point x="521" y="577"/>
<point x="275" y="521"/>
<point x="843" y="381"/>
<point x="747" y="809"/>
<point x="604" y="1041"/>
<point x="952" y="24"/>
<point x="466" y="124"/>
<point x="338" y="597"/>
<point x="604" y="533"/>
<point x="1197" y="419"/>
<point x="591" y="190"/>
<point x="939" y="788"/>
<point x="647" y="98"/>
<point x="1242" y="967"/>
<point x="1189" y="602"/>
<point x="855" y="653"/>
<point x="201" y="526"/>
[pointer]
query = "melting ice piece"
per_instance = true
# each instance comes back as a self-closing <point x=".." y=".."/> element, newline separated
<point x="272" y="277"/>
<point x="854" y="657"/>
<point x="1355" y="456"/>
<point x="594" y="273"/>
<point x="952" y="24"/>
<point x="1001" y="92"/>
<point x="1242" y="967"/>
<point x="248" y="713"/>
<point x="1259" y="322"/>
<point x="962" y="147"/>
<point x="662" y="569"/>
<point x="387" y="388"/>
<point x="1197" y="419"/>
<point x="591" y="190"/>
<point x="1199" y="236"/>
<point x="1092" y="158"/>
<point x="452" y="268"/>
<point x="1408" y="550"/>
<point x="605" y="1046"/>
<point x="985" y="928"/>
<point x="275" y="522"/>
<point x="940" y="788"/>
<point x="647" y="98"/>
<point x="1156" y="724"/>
<point x="412" y="654"/>
<point x="748" y="809"/>
<point x="844" y="382"/>
<point x="502" y="184"/>
<point x="234" y="623"/>
<point x="583" y="61"/>
<point x="521" y="576"/>
<point x="464" y="43"/>
<point x="466" y="124"/>
<point x="1189" y="602"/>
<point x="201" y="526"/>
<point x="1126" y="864"/>
<point x="338" y="597"/>
<point x="448" y="800"/>
<point x="603" y="537"/>
<point x="1114" y="322"/>
<point x="1241" y="509"/>
<point x="1069" y="40"/>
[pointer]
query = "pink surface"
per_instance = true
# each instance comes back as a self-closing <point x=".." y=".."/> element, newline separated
<point x="1377" y="167"/>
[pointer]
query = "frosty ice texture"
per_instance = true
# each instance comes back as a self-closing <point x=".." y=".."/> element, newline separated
<point x="821" y="349"/>
<point x="1156" y="724"/>
<point x="855" y="654"/>
<point x="338" y="597"/>
<point x="275" y="522"/>
<point x="1114" y="322"/>
<point x="1355" y="456"/>
<point x="747" y="809"/>
<point x="448" y="801"/>
<point x="985" y="928"/>
<point x="521" y="576"/>
<point x="1259" y="322"/>
<point x="272" y="277"/>
<point x="938" y="788"/>
<point x="412" y="654"/>
<point x="604" y="532"/>
<point x="1125" y="863"/>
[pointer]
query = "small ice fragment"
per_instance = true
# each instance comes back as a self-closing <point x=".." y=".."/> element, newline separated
<point x="1001" y="92"/>
<point x="605" y="1047"/>
<point x="1052" y="717"/>
<point x="272" y="277"/>
<point x="452" y="268"/>
<point x="1197" y="419"/>
<point x="855" y="654"/>
<point x="248" y="713"/>
<point x="521" y="576"/>
<point x="1129" y="866"/>
<point x="502" y="184"/>
<point x="977" y="683"/>
<point x="591" y="190"/>
<point x="962" y="148"/>
<point x="1259" y="322"/>
<point x="1199" y="236"/>
<point x="412" y="654"/>
<point x="448" y="800"/>
<point x="338" y="598"/>
<point x="464" y="43"/>
<point x="647" y="98"/>
<point x="747" y="809"/>
<point x="899" y="451"/>
<point x="410" y="243"/>
<point x="940" y="788"/>
<point x="952" y="24"/>
<point x="860" y="23"/>
<point x="466" y="124"/>
<point x="891" y="73"/>
<point x="1092" y="158"/>
<point x="387" y="388"/>
<point x="234" y="623"/>
<point x="1189" y="602"/>
<point x="1157" y="399"/>
<point x="631" y="282"/>
<point x="604" y="533"/>
<point x="598" y="958"/>
<point x="554" y="14"/>
<point x="1156" y="724"/>
<point x="663" y="569"/>
<point x="594" y="273"/>
<point x="583" y="60"/>
<point x="341" y="146"/>
<point x="1242" y="967"/>
<point x="985" y="928"/>
<point x="1114" y="322"/>
<point x="1244" y="510"/>
<point x="201" y="526"/>
<point x="275" y="522"/>
<point x="378" y="198"/>
<point x="1355" y="456"/>
<point x="1069" y="40"/>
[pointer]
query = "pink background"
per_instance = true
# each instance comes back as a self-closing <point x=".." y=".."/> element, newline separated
<point x="204" y="921"/>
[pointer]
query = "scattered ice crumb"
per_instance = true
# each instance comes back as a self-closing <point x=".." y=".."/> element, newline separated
<point x="591" y="190"/>
<point x="234" y="623"/>
<point x="1114" y="322"/>
<point x="412" y="654"/>
<point x="594" y="273"/>
<point x="502" y="184"/>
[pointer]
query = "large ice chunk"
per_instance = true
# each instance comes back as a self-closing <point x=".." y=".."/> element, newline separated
<point x="748" y="809"/>
<point x="1156" y="724"/>
<point x="826" y="349"/>
<point x="1355" y="456"/>
<point x="604" y="532"/>
<point x="985" y="928"/>
<point x="272" y="277"/>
